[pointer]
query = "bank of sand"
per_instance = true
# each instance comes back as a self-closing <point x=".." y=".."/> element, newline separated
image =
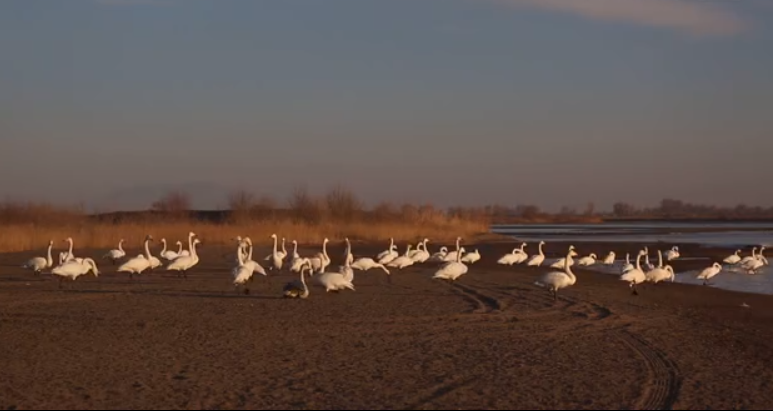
<point x="491" y="340"/>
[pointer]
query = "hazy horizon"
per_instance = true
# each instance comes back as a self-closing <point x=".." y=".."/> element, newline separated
<point x="454" y="102"/>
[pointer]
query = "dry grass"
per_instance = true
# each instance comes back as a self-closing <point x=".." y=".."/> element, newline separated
<point x="21" y="237"/>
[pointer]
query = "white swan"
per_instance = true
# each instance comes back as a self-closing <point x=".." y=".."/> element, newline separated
<point x="180" y="251"/>
<point x="276" y="257"/>
<point x="185" y="263"/>
<point x="628" y="266"/>
<point x="138" y="264"/>
<point x="73" y="269"/>
<point x="471" y="258"/>
<point x="321" y="260"/>
<point x="439" y="256"/>
<point x="169" y="255"/>
<point x="421" y="255"/>
<point x="673" y="253"/>
<point x="296" y="263"/>
<point x="635" y="276"/>
<point x="336" y="281"/>
<point x="298" y="289"/>
<point x="452" y="269"/>
<point x="116" y="254"/>
<point x="248" y="262"/>
<point x="749" y="257"/>
<point x="346" y="269"/>
<point x="367" y="263"/>
<point x="647" y="264"/>
<point x="587" y="261"/>
<point x="660" y="273"/>
<point x="402" y="261"/>
<point x="38" y="264"/>
<point x="538" y="259"/>
<point x="243" y="272"/>
<point x="390" y="256"/>
<point x="610" y="258"/>
<point x="451" y="256"/>
<point x="709" y="272"/>
<point x="68" y="255"/>
<point x="556" y="280"/>
<point x="733" y="259"/>
<point x="559" y="263"/>
<point x="388" y="251"/>
<point x="516" y="257"/>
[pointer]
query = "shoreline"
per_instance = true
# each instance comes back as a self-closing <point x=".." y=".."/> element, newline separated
<point x="492" y="340"/>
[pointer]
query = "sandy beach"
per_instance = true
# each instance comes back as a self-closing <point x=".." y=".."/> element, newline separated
<point x="492" y="340"/>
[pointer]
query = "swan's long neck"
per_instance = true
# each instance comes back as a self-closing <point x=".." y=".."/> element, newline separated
<point x="568" y="268"/>
<point x="408" y="250"/>
<point x="147" y="248"/>
<point x="627" y="258"/>
<point x="540" y="250"/>
<point x="194" y="254"/>
<point x="762" y="251"/>
<point x="660" y="259"/>
<point x="348" y="253"/>
<point x="275" y="245"/>
<point x="239" y="255"/>
<point x="458" y="250"/>
<point x="295" y="248"/>
<point x="120" y="246"/>
<point x="638" y="261"/>
<point x="284" y="250"/>
<point x="180" y="248"/>
<point x="49" y="258"/>
<point x="391" y="243"/>
<point x="523" y="247"/>
<point x="190" y="243"/>
<point x="163" y="243"/>
<point x="70" y="250"/>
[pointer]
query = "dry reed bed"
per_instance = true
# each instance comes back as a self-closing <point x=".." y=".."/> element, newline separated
<point x="23" y="237"/>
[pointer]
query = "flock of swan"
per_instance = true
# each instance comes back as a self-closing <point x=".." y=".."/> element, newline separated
<point x="454" y="264"/>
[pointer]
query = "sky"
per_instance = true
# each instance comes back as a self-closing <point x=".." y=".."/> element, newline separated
<point x="111" y="103"/>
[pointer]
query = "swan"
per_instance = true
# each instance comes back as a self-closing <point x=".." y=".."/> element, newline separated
<point x="138" y="264"/>
<point x="471" y="258"/>
<point x="733" y="259"/>
<point x="389" y="257"/>
<point x="346" y="269"/>
<point x="709" y="272"/>
<point x="298" y="289"/>
<point x="560" y="262"/>
<point x="247" y="261"/>
<point x="116" y="254"/>
<point x="183" y="264"/>
<point x="421" y="255"/>
<point x="320" y="261"/>
<point x="68" y="255"/>
<point x="628" y="266"/>
<point x="73" y="269"/>
<point x="556" y="280"/>
<point x="169" y="255"/>
<point x="336" y="281"/>
<point x="276" y="257"/>
<point x="673" y="253"/>
<point x="367" y="263"/>
<point x="538" y="259"/>
<point x="439" y="256"/>
<point x="587" y="261"/>
<point x="516" y="257"/>
<point x="243" y="272"/>
<point x="749" y="257"/>
<point x="751" y="267"/>
<point x="296" y="263"/>
<point x="388" y="251"/>
<point x="660" y="273"/>
<point x="453" y="269"/>
<point x="451" y="256"/>
<point x="647" y="264"/>
<point x="610" y="258"/>
<point x="402" y="261"/>
<point x="38" y="264"/>
<point x="635" y="276"/>
<point x="180" y="251"/>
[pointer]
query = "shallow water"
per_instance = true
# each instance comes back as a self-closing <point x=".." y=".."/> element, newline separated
<point x="707" y="234"/>
<point x="730" y="278"/>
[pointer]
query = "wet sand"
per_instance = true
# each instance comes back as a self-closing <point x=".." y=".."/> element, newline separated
<point x="491" y="340"/>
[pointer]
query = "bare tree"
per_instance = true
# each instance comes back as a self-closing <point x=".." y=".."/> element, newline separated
<point x="173" y="202"/>
<point x="342" y="204"/>
<point x="304" y="206"/>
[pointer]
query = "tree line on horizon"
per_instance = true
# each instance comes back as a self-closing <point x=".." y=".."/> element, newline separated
<point x="341" y="204"/>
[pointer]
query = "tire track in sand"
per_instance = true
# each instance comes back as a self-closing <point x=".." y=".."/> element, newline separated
<point x="662" y="388"/>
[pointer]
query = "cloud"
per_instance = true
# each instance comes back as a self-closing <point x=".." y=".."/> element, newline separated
<point x="697" y="17"/>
